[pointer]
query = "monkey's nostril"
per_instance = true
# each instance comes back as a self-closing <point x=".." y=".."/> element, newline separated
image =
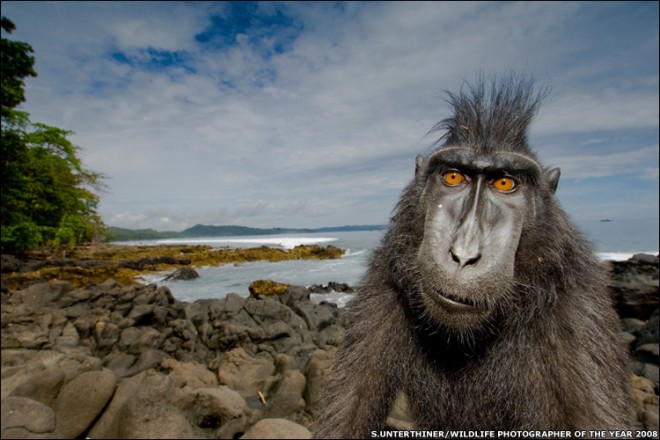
<point x="474" y="260"/>
<point x="464" y="260"/>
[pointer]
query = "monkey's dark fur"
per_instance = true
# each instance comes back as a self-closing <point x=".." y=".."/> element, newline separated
<point x="538" y="347"/>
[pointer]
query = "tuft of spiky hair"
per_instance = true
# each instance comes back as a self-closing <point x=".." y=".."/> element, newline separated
<point x="492" y="115"/>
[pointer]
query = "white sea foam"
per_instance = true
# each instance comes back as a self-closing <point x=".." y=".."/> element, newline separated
<point x="619" y="256"/>
<point x="338" y="298"/>
<point x="284" y="242"/>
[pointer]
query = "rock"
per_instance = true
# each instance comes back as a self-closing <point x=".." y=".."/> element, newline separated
<point x="628" y="340"/>
<point x="42" y="385"/>
<point x="141" y="314"/>
<point x="69" y="337"/>
<point x="152" y="417"/>
<point x="331" y="287"/>
<point x="295" y="294"/>
<point x="317" y="317"/>
<point x="332" y="335"/>
<point x="9" y="263"/>
<point x="81" y="400"/>
<point x="318" y="372"/>
<point x="649" y="333"/>
<point x="645" y="402"/>
<point x="108" y="425"/>
<point x="185" y="273"/>
<point x="222" y="410"/>
<point x="287" y="397"/>
<point x="632" y="325"/>
<point x="267" y="288"/>
<point x="38" y="295"/>
<point x="189" y="374"/>
<point x="106" y="334"/>
<point x="149" y="263"/>
<point x="27" y="418"/>
<point x="246" y="374"/>
<point x="645" y="259"/>
<point x="280" y="329"/>
<point x="648" y="353"/>
<point x="651" y="372"/>
<point x="27" y="334"/>
<point x="234" y="303"/>
<point x="145" y="406"/>
<point x="277" y="429"/>
<point x="22" y="367"/>
<point x="135" y="340"/>
<point x="184" y="329"/>
<point x="635" y="286"/>
<point x="149" y="358"/>
<point x="120" y="363"/>
<point x="228" y="335"/>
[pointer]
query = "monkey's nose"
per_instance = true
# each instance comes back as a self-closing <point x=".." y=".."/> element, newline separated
<point x="465" y="257"/>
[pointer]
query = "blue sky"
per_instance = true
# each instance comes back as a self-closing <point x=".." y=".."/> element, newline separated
<point x="311" y="114"/>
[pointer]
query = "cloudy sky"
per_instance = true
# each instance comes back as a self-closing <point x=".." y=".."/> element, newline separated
<point x="311" y="114"/>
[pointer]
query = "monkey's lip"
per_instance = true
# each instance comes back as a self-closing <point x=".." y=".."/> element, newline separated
<point x="453" y="303"/>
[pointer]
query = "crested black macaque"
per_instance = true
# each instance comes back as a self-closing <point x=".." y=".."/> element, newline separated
<point x="483" y="304"/>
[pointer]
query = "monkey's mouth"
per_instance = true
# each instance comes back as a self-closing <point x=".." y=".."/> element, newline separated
<point x="457" y="304"/>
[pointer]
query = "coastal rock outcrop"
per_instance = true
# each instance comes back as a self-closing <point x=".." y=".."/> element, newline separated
<point x="635" y="285"/>
<point x="115" y="361"/>
<point x="185" y="273"/>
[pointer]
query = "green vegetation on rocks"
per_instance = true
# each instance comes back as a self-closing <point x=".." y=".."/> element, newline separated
<point x="97" y="263"/>
<point x="267" y="288"/>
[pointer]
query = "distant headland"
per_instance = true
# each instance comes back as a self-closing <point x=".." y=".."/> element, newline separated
<point x="123" y="234"/>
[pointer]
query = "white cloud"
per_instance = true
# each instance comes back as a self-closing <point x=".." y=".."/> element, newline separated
<point x="616" y="108"/>
<point x="642" y="163"/>
<point x="327" y="130"/>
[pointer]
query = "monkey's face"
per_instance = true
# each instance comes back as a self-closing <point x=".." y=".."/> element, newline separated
<point x="476" y="205"/>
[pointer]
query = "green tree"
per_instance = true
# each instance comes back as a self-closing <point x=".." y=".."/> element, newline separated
<point x="47" y="194"/>
<point x="17" y="63"/>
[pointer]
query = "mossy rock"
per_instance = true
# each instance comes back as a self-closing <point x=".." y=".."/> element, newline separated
<point x="267" y="288"/>
<point x="125" y="263"/>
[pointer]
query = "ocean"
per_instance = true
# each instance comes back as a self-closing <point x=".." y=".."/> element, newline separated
<point x="612" y="240"/>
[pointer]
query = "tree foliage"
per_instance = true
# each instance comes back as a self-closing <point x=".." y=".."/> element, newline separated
<point x="48" y="195"/>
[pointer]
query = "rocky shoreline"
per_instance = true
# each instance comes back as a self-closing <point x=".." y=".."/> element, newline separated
<point x="110" y="360"/>
<point x="126" y="263"/>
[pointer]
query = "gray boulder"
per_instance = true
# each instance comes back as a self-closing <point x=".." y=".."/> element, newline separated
<point x="27" y="418"/>
<point x="287" y="397"/>
<point x="222" y="410"/>
<point x="81" y="400"/>
<point x="247" y="374"/>
<point x="277" y="429"/>
<point x="185" y="273"/>
<point x="318" y="371"/>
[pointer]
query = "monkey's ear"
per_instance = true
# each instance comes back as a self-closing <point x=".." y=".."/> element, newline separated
<point x="421" y="163"/>
<point x="552" y="177"/>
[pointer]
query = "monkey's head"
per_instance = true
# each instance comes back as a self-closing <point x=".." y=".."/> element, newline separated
<point x="477" y="195"/>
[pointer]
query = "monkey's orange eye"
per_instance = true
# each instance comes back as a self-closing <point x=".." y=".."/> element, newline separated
<point x="453" y="178"/>
<point x="504" y="184"/>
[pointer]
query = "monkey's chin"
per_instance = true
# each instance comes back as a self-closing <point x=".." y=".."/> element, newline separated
<point x="455" y="312"/>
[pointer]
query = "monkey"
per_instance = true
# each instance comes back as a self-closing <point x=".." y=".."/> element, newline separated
<point x="483" y="304"/>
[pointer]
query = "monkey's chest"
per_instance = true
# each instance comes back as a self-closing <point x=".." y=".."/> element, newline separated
<point x="488" y="394"/>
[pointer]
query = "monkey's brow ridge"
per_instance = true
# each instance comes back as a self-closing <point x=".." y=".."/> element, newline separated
<point x="465" y="155"/>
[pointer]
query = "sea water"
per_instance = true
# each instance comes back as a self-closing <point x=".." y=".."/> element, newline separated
<point x="612" y="240"/>
<point x="216" y="282"/>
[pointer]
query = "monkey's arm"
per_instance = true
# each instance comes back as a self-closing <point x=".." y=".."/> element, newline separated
<point x="367" y="373"/>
